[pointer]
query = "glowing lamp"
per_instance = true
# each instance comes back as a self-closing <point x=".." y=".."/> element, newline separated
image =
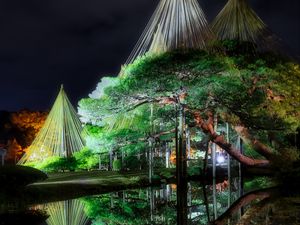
<point x="220" y="159"/>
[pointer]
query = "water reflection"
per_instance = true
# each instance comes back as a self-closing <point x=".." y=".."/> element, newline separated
<point x="188" y="203"/>
<point x="218" y="202"/>
<point x="70" y="212"/>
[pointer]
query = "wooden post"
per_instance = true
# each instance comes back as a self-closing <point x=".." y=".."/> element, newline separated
<point x="176" y="140"/>
<point x="206" y="202"/>
<point x="151" y="145"/>
<point x="204" y="169"/>
<point x="214" y="148"/>
<point x="152" y="204"/>
<point x="100" y="161"/>
<point x="228" y="171"/>
<point x="215" y="198"/>
<point x="168" y="152"/>
<point x="112" y="205"/>
<point x="188" y="144"/>
<point x="189" y="199"/>
<point x="110" y="160"/>
<point x="181" y="171"/>
<point x="122" y="159"/>
<point x="150" y="158"/>
<point x="181" y="146"/>
<point x="182" y="203"/>
<point x="241" y="181"/>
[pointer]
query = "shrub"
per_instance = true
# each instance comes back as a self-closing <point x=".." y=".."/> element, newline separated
<point x="117" y="165"/>
<point x="132" y="162"/>
<point x="55" y="164"/>
<point x="85" y="159"/>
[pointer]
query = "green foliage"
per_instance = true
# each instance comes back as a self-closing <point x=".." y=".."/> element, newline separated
<point x="158" y="162"/>
<point x="284" y="161"/>
<point x="260" y="91"/>
<point x="85" y="159"/>
<point x="132" y="162"/>
<point x="258" y="183"/>
<point x="127" y="213"/>
<point x="117" y="165"/>
<point x="56" y="164"/>
<point x="82" y="160"/>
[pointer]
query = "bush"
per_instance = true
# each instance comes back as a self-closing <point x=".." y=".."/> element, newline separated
<point x="56" y="164"/>
<point x="117" y="165"/>
<point x="132" y="162"/>
<point x="86" y="159"/>
<point x="83" y="159"/>
<point x="158" y="162"/>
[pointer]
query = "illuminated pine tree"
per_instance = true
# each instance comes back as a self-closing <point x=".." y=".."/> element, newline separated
<point x="175" y="24"/>
<point x="61" y="135"/>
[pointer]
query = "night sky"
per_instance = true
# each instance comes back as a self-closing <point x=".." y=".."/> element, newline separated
<point x="44" y="43"/>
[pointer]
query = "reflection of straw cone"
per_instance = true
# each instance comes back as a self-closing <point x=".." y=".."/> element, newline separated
<point x="70" y="212"/>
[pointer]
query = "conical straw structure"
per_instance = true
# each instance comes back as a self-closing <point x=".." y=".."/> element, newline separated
<point x="175" y="24"/>
<point x="61" y="134"/>
<point x="237" y="21"/>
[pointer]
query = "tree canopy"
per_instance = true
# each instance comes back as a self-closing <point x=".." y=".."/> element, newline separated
<point x="257" y="94"/>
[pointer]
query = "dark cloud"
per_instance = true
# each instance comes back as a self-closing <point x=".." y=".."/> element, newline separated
<point x="49" y="42"/>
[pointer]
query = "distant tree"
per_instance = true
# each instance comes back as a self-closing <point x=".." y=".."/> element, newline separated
<point x="14" y="150"/>
<point x="28" y="123"/>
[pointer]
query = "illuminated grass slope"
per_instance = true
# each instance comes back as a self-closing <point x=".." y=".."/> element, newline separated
<point x="175" y="24"/>
<point x="238" y="21"/>
<point x="61" y="134"/>
<point x="70" y="212"/>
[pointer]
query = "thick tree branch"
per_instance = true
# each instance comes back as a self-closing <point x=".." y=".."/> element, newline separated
<point x="259" y="147"/>
<point x="207" y="127"/>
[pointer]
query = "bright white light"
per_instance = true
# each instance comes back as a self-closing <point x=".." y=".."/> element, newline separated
<point x="220" y="159"/>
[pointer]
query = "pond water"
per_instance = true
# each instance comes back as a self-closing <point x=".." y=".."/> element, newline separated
<point x="230" y="202"/>
<point x="197" y="204"/>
